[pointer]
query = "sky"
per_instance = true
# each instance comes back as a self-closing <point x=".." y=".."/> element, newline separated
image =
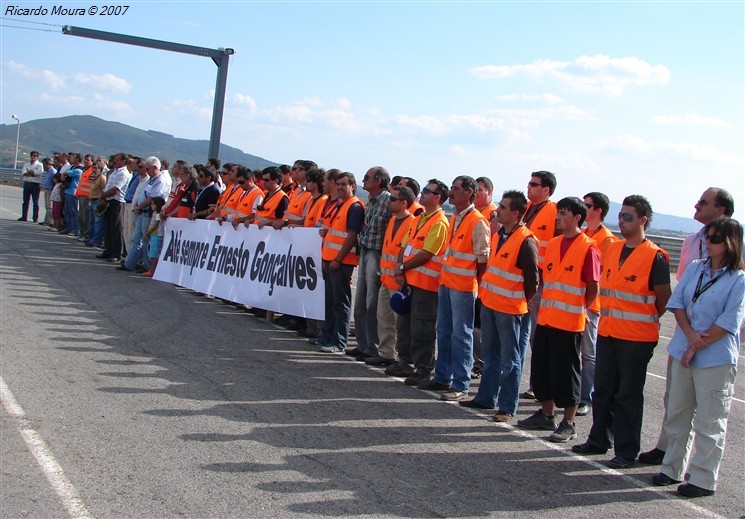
<point x="619" y="97"/>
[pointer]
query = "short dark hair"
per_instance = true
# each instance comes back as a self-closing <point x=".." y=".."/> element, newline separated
<point x="284" y="169"/>
<point x="272" y="172"/>
<point x="487" y="183"/>
<point x="599" y="201"/>
<point x="575" y="205"/>
<point x="350" y="176"/>
<point x="381" y="174"/>
<point x="518" y="202"/>
<point x="724" y="199"/>
<point x="86" y="156"/>
<point x="207" y="172"/>
<point x="405" y="194"/>
<point x="442" y="189"/>
<point x="164" y="164"/>
<point x="548" y="180"/>
<point x="159" y="202"/>
<point x="467" y="182"/>
<point x="243" y="172"/>
<point x="316" y="177"/>
<point x="308" y="165"/>
<point x="214" y="162"/>
<point x="412" y="184"/>
<point x="395" y="180"/>
<point x="731" y="230"/>
<point x="332" y="174"/>
<point x="641" y="205"/>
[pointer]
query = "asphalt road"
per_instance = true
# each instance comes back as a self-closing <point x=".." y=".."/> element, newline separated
<point x="127" y="397"/>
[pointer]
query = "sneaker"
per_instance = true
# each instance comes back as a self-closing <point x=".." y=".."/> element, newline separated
<point x="538" y="422"/>
<point x="584" y="410"/>
<point x="502" y="417"/>
<point x="563" y="433"/>
<point x="453" y="396"/>
<point x="329" y="349"/>
<point x="653" y="457"/>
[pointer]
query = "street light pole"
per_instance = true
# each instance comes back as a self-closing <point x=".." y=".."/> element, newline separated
<point x="18" y="136"/>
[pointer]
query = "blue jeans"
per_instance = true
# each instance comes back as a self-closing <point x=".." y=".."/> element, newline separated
<point x="618" y="406"/>
<point x="95" y="223"/>
<point x="366" y="302"/>
<point x="137" y="250"/>
<point x="339" y="307"/>
<point x="504" y="343"/>
<point x="455" y="314"/>
<point x="71" y="214"/>
<point x="589" y="338"/>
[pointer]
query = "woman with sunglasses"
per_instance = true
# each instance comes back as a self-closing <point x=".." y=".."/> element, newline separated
<point x="708" y="305"/>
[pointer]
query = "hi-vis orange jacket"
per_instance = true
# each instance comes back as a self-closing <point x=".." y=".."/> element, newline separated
<point x="459" y="263"/>
<point x="337" y="233"/>
<point x="601" y="236"/>
<point x="427" y="276"/>
<point x="543" y="226"/>
<point x="391" y="248"/>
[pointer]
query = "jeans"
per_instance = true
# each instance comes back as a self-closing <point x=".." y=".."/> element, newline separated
<point x="587" y="348"/>
<point x="31" y="192"/>
<point x="504" y="343"/>
<point x="618" y="403"/>
<point x="455" y="314"/>
<point x="336" y="329"/>
<point x="366" y="302"/>
<point x="71" y="214"/>
<point x="95" y="223"/>
<point x="137" y="250"/>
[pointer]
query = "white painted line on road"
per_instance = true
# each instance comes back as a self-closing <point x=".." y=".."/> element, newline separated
<point x="52" y="470"/>
<point x="11" y="212"/>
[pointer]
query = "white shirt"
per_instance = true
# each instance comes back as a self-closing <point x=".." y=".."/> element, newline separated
<point x="36" y="168"/>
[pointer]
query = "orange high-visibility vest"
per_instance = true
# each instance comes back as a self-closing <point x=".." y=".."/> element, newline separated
<point x="337" y="233"/>
<point x="391" y="248"/>
<point x="416" y="208"/>
<point x="297" y="205"/>
<point x="231" y="202"/>
<point x="245" y="205"/>
<point x="269" y="206"/>
<point x="427" y="276"/>
<point x="459" y="262"/>
<point x="603" y="238"/>
<point x="543" y="226"/>
<point x="563" y="299"/>
<point x="488" y="210"/>
<point x="627" y="305"/>
<point x="503" y="285"/>
<point x="315" y="211"/>
<point x="84" y="185"/>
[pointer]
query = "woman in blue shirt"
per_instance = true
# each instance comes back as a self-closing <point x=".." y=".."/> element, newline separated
<point x="708" y="305"/>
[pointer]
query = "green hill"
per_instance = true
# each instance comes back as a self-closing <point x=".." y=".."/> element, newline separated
<point x="88" y="134"/>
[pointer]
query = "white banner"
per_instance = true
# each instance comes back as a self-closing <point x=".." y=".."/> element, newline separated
<point x="269" y="269"/>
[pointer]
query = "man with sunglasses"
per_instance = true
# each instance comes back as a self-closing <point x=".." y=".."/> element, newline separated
<point x="208" y="195"/>
<point x="31" y="172"/>
<point x="275" y="202"/>
<point x="635" y="289"/>
<point x="714" y="203"/>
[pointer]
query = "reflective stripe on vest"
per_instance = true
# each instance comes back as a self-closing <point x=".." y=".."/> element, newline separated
<point x="503" y="284"/>
<point x="337" y="233"/>
<point x="459" y="266"/>
<point x="503" y="291"/>
<point x="84" y="184"/>
<point x="507" y="275"/>
<point x="391" y="249"/>
<point x="297" y="206"/>
<point x="427" y="276"/>
<point x="630" y="316"/>
<point x="543" y="226"/>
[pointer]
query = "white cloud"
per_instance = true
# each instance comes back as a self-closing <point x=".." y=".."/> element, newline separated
<point x="459" y="150"/>
<point x="598" y="74"/>
<point x="108" y="82"/>
<point x="546" y="98"/>
<point x="94" y="102"/>
<point x="42" y="77"/>
<point x="690" y="119"/>
<point x="245" y="101"/>
<point x="636" y="146"/>
<point x="188" y="106"/>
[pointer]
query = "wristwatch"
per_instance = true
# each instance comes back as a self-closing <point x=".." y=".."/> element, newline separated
<point x="401" y="267"/>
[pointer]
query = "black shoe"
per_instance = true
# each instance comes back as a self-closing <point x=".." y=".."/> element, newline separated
<point x="584" y="410"/>
<point x="22" y="220"/>
<point x="663" y="480"/>
<point x="588" y="448"/>
<point x="377" y="360"/>
<point x="416" y="378"/>
<point x="653" y="457"/>
<point x="309" y="335"/>
<point x="433" y="385"/>
<point x="122" y="267"/>
<point x="353" y="352"/>
<point x="689" y="490"/>
<point x="103" y="255"/>
<point x="619" y="462"/>
<point x="473" y="404"/>
<point x="399" y="370"/>
<point x="362" y="357"/>
<point x="113" y="259"/>
<point x="140" y="269"/>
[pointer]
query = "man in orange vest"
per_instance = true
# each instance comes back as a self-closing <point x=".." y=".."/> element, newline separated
<point x="398" y="228"/>
<point x="598" y="206"/>
<point x="419" y="267"/>
<point x="463" y="264"/>
<point x="82" y="193"/>
<point x="339" y="259"/>
<point x="540" y="217"/>
<point x="252" y="197"/>
<point x="275" y="201"/>
<point x="570" y="275"/>
<point x="507" y="287"/>
<point x="636" y="287"/>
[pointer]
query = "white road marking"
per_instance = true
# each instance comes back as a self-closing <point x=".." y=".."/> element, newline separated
<point x="52" y="470"/>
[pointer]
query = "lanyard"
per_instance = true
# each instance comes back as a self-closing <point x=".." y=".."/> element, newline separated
<point x="699" y="289"/>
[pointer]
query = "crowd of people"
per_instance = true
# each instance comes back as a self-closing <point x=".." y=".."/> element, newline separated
<point x="442" y="299"/>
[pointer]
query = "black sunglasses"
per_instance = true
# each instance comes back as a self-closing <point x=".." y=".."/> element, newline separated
<point x="626" y="217"/>
<point x="715" y="239"/>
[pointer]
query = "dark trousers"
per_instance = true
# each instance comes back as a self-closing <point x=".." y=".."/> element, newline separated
<point x="417" y="331"/>
<point x="31" y="191"/>
<point x="618" y="401"/>
<point x="113" y="230"/>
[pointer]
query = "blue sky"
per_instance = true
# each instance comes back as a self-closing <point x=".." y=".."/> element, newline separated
<point x="622" y="98"/>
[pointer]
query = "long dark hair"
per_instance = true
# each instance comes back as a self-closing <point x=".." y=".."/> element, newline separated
<point x="731" y="230"/>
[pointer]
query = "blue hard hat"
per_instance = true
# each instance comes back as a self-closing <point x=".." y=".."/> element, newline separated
<point x="401" y="300"/>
